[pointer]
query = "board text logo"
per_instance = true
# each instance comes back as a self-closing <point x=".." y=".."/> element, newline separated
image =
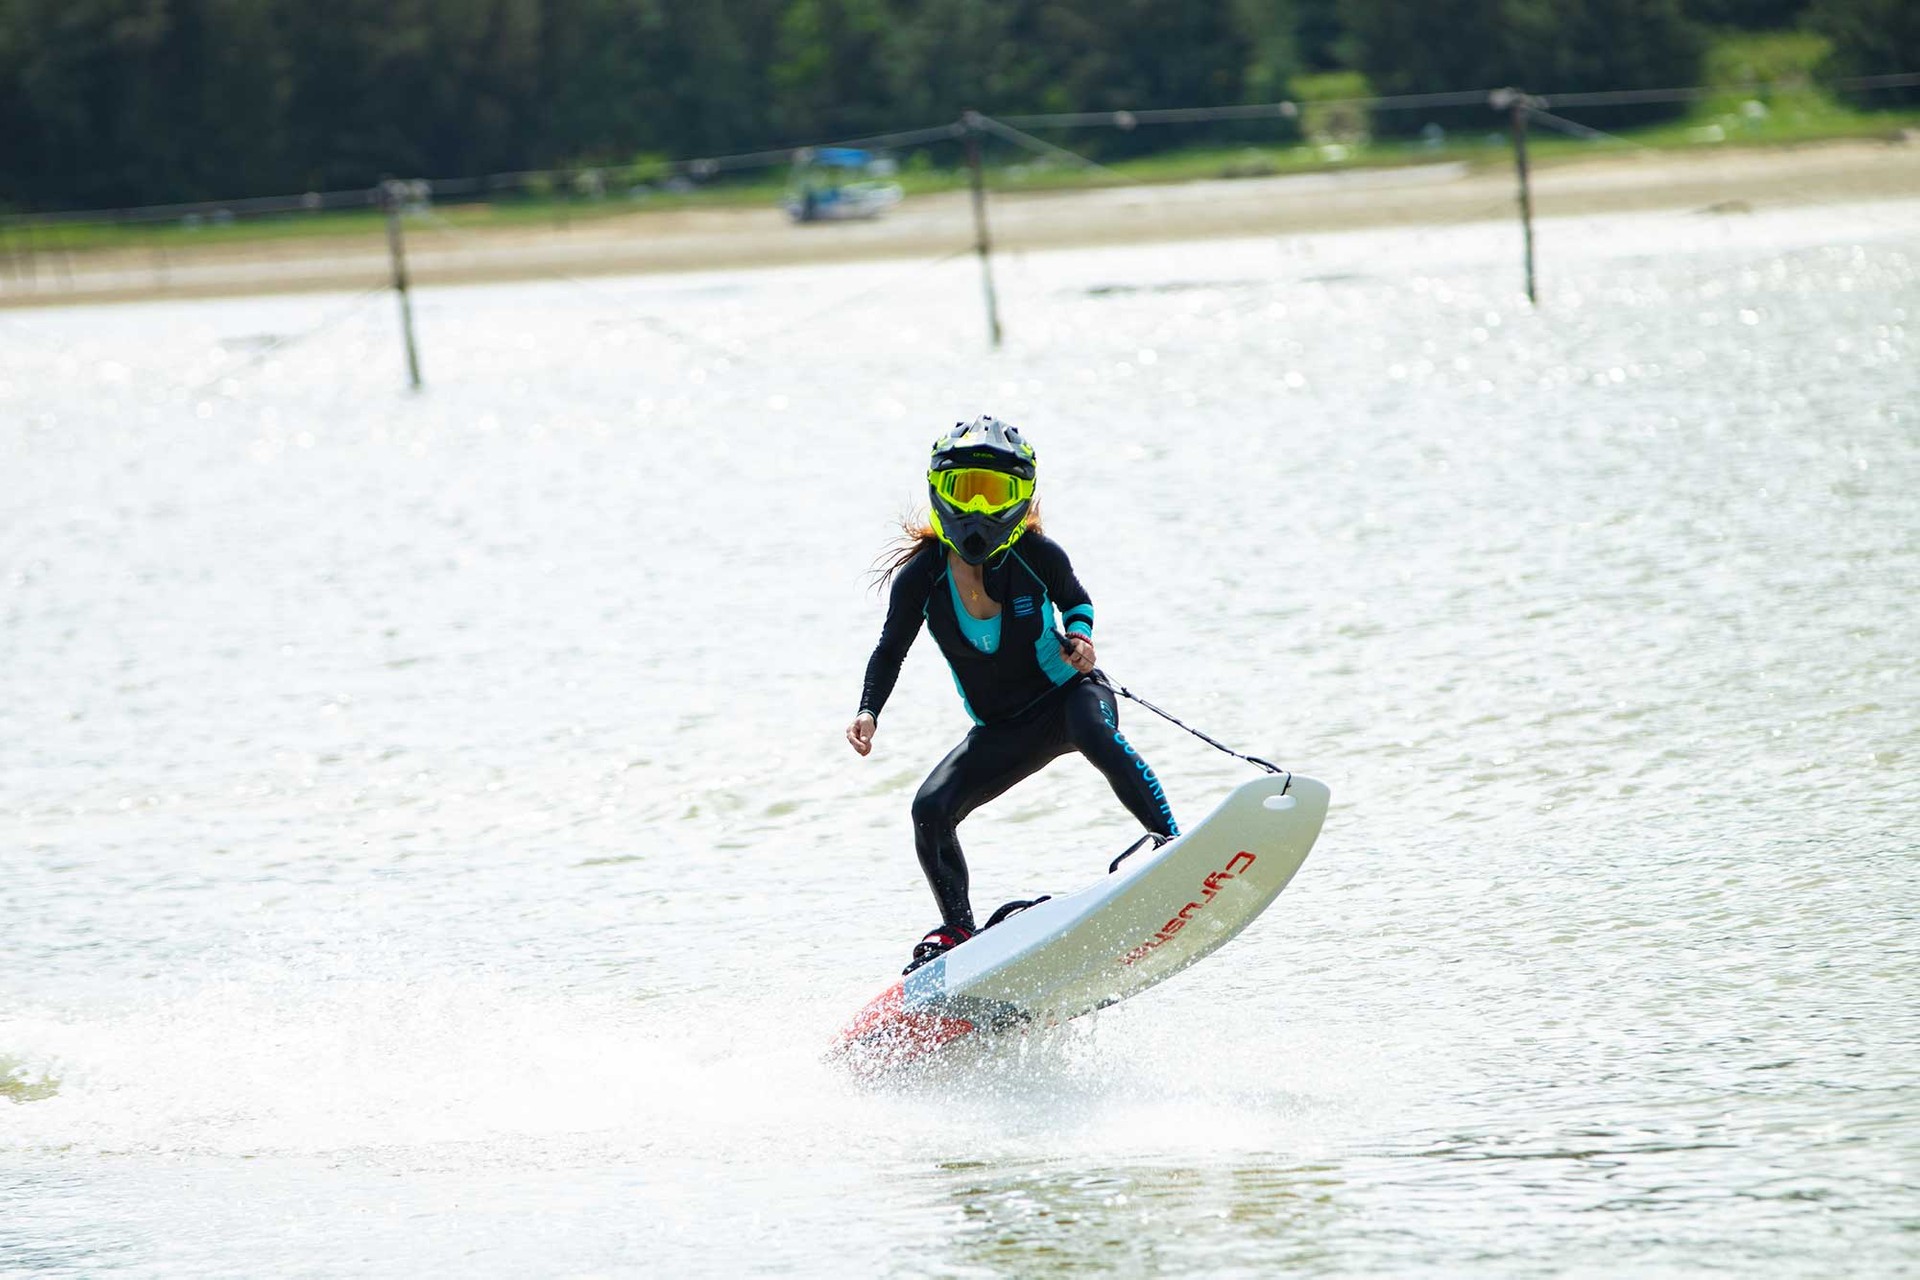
<point x="1208" y="888"/>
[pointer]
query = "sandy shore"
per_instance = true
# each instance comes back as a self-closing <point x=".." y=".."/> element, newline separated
<point x="928" y="226"/>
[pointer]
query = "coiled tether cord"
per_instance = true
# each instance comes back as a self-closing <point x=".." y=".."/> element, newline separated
<point x="1217" y="745"/>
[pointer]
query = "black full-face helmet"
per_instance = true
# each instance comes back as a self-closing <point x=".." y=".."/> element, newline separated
<point x="980" y="485"/>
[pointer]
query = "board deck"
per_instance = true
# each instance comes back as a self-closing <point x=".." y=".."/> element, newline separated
<point x="1157" y="913"/>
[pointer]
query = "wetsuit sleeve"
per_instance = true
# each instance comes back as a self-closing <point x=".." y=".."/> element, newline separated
<point x="906" y="610"/>
<point x="1050" y="562"/>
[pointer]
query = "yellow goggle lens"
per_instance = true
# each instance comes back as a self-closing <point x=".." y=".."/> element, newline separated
<point x="976" y="488"/>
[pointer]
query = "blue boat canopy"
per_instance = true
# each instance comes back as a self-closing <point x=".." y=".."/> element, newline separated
<point x="842" y="157"/>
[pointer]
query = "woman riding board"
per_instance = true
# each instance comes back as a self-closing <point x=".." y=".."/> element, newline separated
<point x="992" y="588"/>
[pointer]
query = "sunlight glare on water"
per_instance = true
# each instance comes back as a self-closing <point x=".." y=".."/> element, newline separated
<point x="431" y="847"/>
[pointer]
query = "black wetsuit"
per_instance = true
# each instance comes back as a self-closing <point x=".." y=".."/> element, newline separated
<point x="1028" y="703"/>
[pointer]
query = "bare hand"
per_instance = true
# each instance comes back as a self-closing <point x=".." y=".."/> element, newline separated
<point x="860" y="732"/>
<point x="1080" y="653"/>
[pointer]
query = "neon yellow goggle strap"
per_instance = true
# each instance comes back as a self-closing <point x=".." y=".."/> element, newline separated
<point x="980" y="489"/>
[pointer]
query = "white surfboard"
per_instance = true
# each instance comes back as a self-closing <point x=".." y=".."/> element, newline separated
<point x="1157" y="913"/>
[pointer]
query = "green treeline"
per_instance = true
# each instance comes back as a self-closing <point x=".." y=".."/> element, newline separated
<point x="111" y="102"/>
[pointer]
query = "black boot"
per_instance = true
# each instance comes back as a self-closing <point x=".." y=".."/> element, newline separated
<point x="938" y="941"/>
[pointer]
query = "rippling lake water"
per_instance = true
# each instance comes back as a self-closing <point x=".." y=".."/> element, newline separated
<point x="430" y="848"/>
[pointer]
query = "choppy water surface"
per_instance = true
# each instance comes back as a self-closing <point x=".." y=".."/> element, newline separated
<point x="430" y="847"/>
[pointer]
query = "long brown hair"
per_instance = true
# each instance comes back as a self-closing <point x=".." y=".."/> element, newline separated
<point x="916" y="535"/>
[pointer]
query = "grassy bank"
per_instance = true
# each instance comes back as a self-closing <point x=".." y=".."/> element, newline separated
<point x="1333" y="134"/>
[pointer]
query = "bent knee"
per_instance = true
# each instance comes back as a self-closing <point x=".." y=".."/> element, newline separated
<point x="932" y="808"/>
<point x="1110" y="753"/>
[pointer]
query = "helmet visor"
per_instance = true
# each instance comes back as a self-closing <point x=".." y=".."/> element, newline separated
<point x="979" y="489"/>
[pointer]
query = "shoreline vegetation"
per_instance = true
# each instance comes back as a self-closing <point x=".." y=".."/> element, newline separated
<point x="1770" y="128"/>
<point x="1192" y="194"/>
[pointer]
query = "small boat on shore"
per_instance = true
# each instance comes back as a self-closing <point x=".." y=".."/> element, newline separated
<point x="839" y="184"/>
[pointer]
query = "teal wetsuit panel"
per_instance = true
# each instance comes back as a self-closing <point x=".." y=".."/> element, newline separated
<point x="1046" y="649"/>
<point x="982" y="633"/>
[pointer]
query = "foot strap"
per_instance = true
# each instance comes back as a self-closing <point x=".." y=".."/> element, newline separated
<point x="1014" y="908"/>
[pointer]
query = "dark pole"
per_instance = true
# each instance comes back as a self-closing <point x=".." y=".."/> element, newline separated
<point x="390" y="195"/>
<point x="66" y="261"/>
<point x="1517" y="107"/>
<point x="982" y="243"/>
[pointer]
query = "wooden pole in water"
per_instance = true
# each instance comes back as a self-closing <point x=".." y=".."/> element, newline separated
<point x="982" y="243"/>
<point x="65" y="259"/>
<point x="391" y="195"/>
<point x="1517" y="103"/>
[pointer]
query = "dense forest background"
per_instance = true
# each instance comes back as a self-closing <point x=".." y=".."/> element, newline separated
<point x="111" y="102"/>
